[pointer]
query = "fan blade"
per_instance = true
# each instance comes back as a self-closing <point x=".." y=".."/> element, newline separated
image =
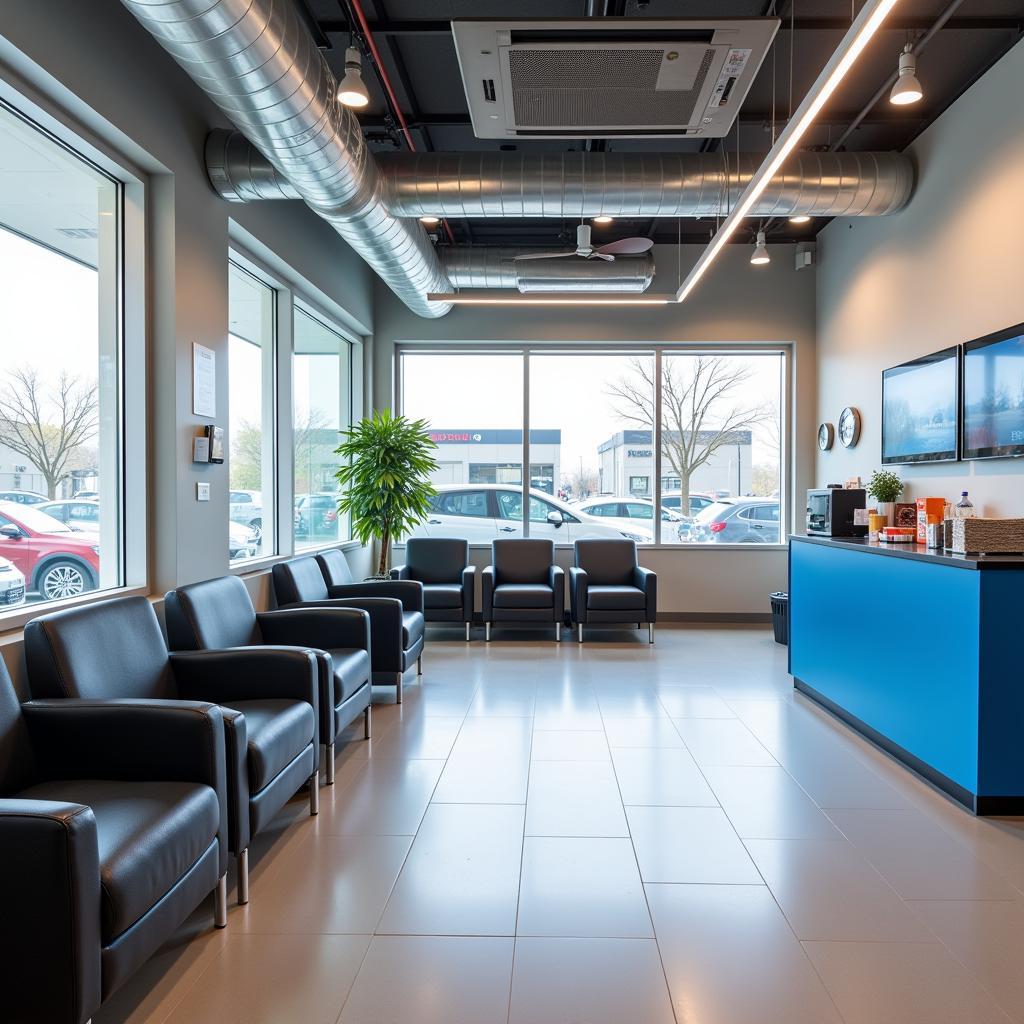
<point x="598" y="255"/>
<point x="544" y="255"/>
<point x="627" y="246"/>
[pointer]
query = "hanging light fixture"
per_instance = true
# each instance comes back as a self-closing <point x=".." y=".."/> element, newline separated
<point x="760" y="254"/>
<point x="603" y="218"/>
<point x="352" y="89"/>
<point x="907" y="88"/>
<point x="800" y="218"/>
<point x="430" y="220"/>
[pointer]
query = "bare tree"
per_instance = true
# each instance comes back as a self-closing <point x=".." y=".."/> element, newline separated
<point x="307" y="438"/>
<point x="48" y="426"/>
<point x="701" y="411"/>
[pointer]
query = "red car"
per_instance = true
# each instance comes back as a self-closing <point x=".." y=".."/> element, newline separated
<point x="56" y="561"/>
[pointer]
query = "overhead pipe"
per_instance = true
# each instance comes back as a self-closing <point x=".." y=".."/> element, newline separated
<point x="258" y="62"/>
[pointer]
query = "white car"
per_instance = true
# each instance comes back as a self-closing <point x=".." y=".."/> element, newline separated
<point x="242" y="542"/>
<point x="481" y="513"/>
<point x="83" y="516"/>
<point x="628" y="513"/>
<point x="246" y="507"/>
<point x="12" y="584"/>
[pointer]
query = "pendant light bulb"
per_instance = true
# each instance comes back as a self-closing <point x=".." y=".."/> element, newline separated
<point x="907" y="88"/>
<point x="352" y="90"/>
<point x="760" y="256"/>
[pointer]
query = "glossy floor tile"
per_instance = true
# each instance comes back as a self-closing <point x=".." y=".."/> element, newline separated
<point x="608" y="834"/>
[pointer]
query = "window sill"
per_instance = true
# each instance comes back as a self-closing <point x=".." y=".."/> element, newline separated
<point x="14" y="621"/>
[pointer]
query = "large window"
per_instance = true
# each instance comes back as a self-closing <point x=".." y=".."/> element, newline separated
<point x="61" y="525"/>
<point x="251" y="315"/>
<point x="321" y="375"/>
<point x="596" y="446"/>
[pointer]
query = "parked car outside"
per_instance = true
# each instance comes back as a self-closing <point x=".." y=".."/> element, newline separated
<point x="246" y="507"/>
<point x="697" y="502"/>
<point x="738" y="521"/>
<point x="481" y="513"/>
<point x="23" y="497"/>
<point x="242" y="542"/>
<point x="628" y="513"/>
<point x="316" y="516"/>
<point x="55" y="561"/>
<point x="86" y="495"/>
<point x="12" y="584"/>
<point x="81" y="516"/>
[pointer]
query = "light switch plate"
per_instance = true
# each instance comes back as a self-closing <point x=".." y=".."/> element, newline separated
<point x="202" y="492"/>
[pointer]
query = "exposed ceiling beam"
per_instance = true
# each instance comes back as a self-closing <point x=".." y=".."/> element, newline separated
<point x="807" y="24"/>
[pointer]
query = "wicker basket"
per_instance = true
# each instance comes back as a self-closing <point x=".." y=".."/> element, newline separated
<point x="985" y="536"/>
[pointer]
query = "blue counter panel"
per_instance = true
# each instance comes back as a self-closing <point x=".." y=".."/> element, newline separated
<point x="896" y="644"/>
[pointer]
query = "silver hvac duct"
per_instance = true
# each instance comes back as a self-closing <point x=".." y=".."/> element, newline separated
<point x="586" y="184"/>
<point x="495" y="267"/>
<point x="258" y="62"/>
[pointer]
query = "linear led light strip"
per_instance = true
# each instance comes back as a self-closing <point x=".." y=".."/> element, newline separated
<point x="860" y="33"/>
<point x="483" y="297"/>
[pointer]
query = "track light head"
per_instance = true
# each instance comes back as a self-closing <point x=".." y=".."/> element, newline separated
<point x="907" y="88"/>
<point x="603" y="218"/>
<point x="760" y="256"/>
<point x="799" y="218"/>
<point x="430" y="220"/>
<point x="352" y="89"/>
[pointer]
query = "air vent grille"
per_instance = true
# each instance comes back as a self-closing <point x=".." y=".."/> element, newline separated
<point x="595" y="87"/>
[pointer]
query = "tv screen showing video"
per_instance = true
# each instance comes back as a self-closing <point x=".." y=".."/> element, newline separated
<point x="919" y="405"/>
<point x="993" y="398"/>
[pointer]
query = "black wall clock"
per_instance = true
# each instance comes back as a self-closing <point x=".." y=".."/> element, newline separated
<point x="849" y="427"/>
<point x="826" y="437"/>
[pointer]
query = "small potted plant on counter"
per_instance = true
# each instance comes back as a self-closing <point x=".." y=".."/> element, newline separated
<point x="385" y="479"/>
<point x="885" y="487"/>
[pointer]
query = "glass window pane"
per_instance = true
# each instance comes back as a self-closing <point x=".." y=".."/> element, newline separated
<point x="473" y="404"/>
<point x="321" y="377"/>
<point x="721" y="440"/>
<point x="595" y="404"/>
<point x="60" y="377"/>
<point x="251" y="316"/>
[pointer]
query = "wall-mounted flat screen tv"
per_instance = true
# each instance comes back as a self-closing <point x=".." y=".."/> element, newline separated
<point x="993" y="395"/>
<point x="919" y="406"/>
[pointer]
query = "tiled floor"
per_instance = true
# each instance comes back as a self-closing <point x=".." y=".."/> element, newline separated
<point x="545" y="834"/>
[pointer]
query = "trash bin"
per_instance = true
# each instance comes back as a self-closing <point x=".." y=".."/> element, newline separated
<point x="780" y="617"/>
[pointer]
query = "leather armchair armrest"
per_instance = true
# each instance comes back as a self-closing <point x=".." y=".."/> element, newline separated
<point x="556" y="578"/>
<point x="579" y="584"/>
<point x="647" y="581"/>
<point x="50" y="894"/>
<point x="409" y="592"/>
<point x="468" y="592"/>
<point x="321" y="627"/>
<point x="251" y="673"/>
<point x="487" y="593"/>
<point x="385" y="627"/>
<point x="400" y="572"/>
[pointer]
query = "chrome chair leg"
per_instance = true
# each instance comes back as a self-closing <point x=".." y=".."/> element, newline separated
<point x="650" y="632"/>
<point x="487" y="632"/>
<point x="558" y="632"/>
<point x="367" y="727"/>
<point x="419" y="665"/>
<point x="242" y="863"/>
<point x="220" y="903"/>
<point x="467" y="632"/>
<point x="314" y="793"/>
<point x="398" y="685"/>
<point x="579" y="632"/>
<point x="329" y="765"/>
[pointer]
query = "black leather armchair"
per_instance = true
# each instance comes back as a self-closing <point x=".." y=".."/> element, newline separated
<point x="113" y="829"/>
<point x="219" y="613"/>
<point x="269" y="699"/>
<point x="441" y="564"/>
<point x="523" y="584"/>
<point x="395" y="608"/>
<point x="607" y="585"/>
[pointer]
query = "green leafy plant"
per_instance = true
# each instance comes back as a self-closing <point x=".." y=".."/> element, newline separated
<point x="885" y="485"/>
<point x="385" y="478"/>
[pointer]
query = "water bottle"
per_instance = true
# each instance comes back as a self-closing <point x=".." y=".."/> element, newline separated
<point x="963" y="509"/>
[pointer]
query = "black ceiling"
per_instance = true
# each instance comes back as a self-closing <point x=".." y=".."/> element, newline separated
<point x="417" y="54"/>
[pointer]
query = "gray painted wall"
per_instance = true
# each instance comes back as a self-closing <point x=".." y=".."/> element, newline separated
<point x="946" y="269"/>
<point x="734" y="303"/>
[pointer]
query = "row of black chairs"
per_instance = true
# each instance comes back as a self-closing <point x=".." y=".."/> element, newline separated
<point x="142" y="763"/>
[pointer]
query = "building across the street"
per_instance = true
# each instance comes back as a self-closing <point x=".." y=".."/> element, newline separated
<point x="472" y="456"/>
<point x="626" y="464"/>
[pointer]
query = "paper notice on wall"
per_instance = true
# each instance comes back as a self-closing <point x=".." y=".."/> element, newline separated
<point x="204" y="381"/>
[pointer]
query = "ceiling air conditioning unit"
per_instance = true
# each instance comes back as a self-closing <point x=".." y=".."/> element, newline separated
<point x="609" y="77"/>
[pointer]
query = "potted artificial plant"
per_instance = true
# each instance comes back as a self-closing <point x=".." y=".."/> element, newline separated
<point x="385" y="479"/>
<point x="885" y="487"/>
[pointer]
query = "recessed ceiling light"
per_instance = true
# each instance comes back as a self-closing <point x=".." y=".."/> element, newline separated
<point x="760" y="254"/>
<point x="352" y="90"/>
<point x="907" y="88"/>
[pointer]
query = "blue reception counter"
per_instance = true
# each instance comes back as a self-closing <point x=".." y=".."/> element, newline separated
<point x="921" y="652"/>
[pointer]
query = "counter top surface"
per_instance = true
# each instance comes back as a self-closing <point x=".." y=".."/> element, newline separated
<point x="917" y="553"/>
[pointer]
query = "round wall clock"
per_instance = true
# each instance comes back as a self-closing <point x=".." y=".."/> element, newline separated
<point x="826" y="437"/>
<point x="849" y="427"/>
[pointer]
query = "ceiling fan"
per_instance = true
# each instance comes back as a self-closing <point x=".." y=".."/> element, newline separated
<point x="623" y="247"/>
